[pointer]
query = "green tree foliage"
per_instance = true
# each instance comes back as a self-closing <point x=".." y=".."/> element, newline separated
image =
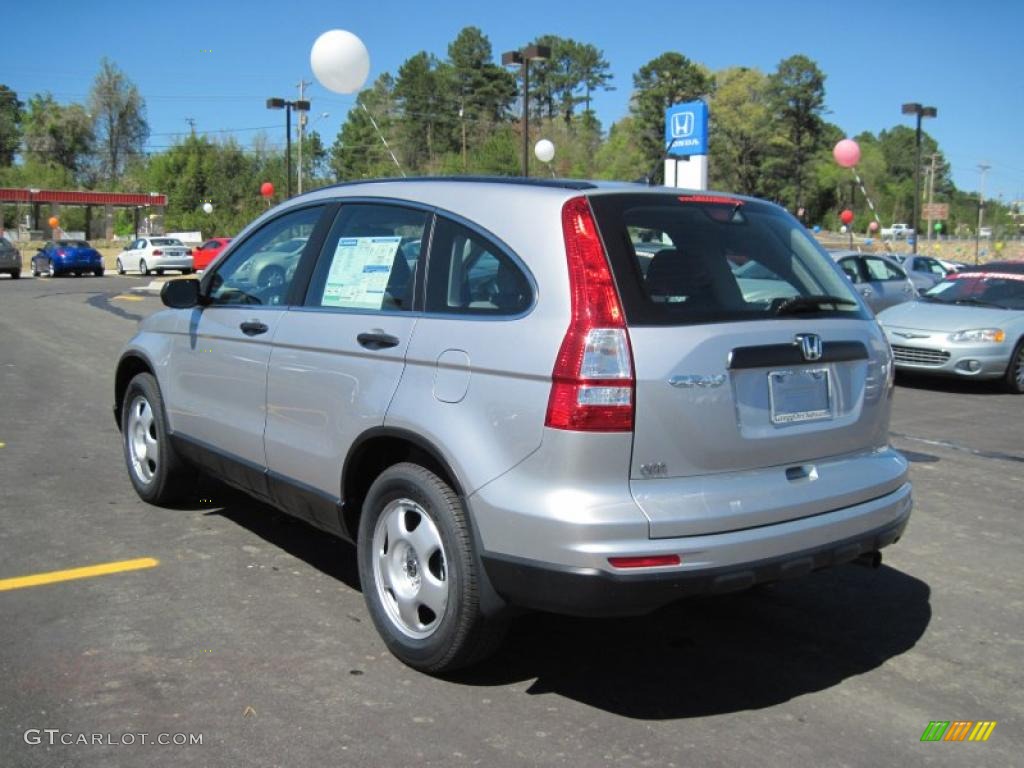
<point x="357" y="151"/>
<point x="10" y="125"/>
<point x="119" y="112"/>
<point x="58" y="135"/>
<point x="423" y="91"/>
<point x="740" y="131"/>
<point x="622" y="157"/>
<point x="483" y="90"/>
<point x="669" y="79"/>
<point x="798" y="101"/>
<point x="561" y="83"/>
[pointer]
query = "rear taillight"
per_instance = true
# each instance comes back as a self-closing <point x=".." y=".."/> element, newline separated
<point x="592" y="382"/>
<point x="158" y="252"/>
<point x="645" y="561"/>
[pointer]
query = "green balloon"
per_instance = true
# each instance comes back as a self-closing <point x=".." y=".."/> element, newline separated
<point x="938" y="226"/>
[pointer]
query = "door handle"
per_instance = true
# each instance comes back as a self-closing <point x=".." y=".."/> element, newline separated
<point x="377" y="339"/>
<point x="253" y="328"/>
<point x="866" y="291"/>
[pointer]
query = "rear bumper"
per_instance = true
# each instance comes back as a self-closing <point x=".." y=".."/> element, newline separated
<point x="710" y="564"/>
<point x="175" y="262"/>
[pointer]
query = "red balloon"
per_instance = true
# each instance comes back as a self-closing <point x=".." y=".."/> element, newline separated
<point x="846" y="216"/>
<point x="267" y="189"/>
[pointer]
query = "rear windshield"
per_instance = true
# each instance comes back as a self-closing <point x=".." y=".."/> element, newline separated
<point x="166" y="241"/>
<point x="73" y="244"/>
<point x="685" y="259"/>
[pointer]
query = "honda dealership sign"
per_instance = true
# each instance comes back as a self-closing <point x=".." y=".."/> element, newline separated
<point x="686" y="129"/>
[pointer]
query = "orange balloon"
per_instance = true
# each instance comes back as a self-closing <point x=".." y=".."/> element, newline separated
<point x="54" y="222"/>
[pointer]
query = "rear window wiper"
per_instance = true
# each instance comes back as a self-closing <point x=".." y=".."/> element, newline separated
<point x="802" y="303"/>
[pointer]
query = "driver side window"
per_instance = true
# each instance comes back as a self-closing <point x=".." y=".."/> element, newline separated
<point x="261" y="270"/>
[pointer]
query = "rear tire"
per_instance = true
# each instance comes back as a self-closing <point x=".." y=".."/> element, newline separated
<point x="98" y="272"/>
<point x="420" y="575"/>
<point x="186" y="271"/>
<point x="15" y="274"/>
<point x="157" y="472"/>
<point x="53" y="269"/>
<point x="143" y="268"/>
<point x="1014" y="379"/>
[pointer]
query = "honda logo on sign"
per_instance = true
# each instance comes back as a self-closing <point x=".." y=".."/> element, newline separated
<point x="810" y="345"/>
<point x="682" y="125"/>
<point x="686" y="129"/>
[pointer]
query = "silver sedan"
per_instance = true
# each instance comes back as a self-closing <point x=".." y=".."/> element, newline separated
<point x="970" y="325"/>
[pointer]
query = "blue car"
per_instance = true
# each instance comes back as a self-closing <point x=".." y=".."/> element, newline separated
<point x="64" y="256"/>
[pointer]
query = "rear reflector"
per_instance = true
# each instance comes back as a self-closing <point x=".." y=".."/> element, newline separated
<point x="647" y="561"/>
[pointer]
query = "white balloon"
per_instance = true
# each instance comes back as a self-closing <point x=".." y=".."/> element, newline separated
<point x="544" y="150"/>
<point x="340" y="61"/>
<point x="842" y="229"/>
<point x="207" y="207"/>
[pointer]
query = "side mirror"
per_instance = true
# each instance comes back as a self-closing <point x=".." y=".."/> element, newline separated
<point x="180" y="294"/>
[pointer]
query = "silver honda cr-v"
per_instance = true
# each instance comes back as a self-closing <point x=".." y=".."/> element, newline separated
<point x="556" y="395"/>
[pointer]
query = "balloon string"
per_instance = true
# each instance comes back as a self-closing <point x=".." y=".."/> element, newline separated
<point x="374" y="123"/>
<point x="871" y="205"/>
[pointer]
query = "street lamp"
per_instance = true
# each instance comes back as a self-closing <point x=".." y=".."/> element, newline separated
<point x="299" y="105"/>
<point x="523" y="58"/>
<point x="921" y="112"/>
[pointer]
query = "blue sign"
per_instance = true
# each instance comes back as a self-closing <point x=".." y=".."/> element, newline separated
<point x="686" y="129"/>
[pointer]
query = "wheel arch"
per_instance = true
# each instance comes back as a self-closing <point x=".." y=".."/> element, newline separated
<point x="132" y="363"/>
<point x="374" y="451"/>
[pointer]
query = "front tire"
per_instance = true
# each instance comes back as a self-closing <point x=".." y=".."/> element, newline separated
<point x="120" y="267"/>
<point x="420" y="576"/>
<point x="1014" y="380"/>
<point x="155" y="469"/>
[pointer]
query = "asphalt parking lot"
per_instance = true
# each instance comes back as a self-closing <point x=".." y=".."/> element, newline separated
<point x="251" y="632"/>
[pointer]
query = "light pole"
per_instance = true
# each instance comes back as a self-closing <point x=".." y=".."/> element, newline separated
<point x="300" y="105"/>
<point x="916" y="109"/>
<point x="523" y="58"/>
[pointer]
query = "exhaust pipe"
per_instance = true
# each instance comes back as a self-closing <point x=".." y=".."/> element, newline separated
<point x="869" y="559"/>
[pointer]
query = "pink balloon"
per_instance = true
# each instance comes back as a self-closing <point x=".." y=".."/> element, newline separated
<point x="873" y="226"/>
<point x="846" y="153"/>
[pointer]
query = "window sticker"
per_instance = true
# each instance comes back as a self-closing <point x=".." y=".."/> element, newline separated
<point x="360" y="271"/>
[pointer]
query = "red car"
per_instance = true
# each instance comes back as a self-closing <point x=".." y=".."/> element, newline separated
<point x="208" y="251"/>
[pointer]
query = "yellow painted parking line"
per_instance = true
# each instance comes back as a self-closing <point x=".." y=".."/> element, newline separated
<point x="126" y="297"/>
<point x="87" y="572"/>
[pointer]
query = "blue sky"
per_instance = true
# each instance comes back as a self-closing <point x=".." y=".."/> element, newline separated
<point x="957" y="56"/>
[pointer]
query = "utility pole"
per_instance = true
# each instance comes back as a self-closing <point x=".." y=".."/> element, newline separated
<point x="931" y="193"/>
<point x="983" y="169"/>
<point x="302" y="127"/>
<point x="192" y="125"/>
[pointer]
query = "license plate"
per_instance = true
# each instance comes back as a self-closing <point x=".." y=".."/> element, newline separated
<point x="800" y="395"/>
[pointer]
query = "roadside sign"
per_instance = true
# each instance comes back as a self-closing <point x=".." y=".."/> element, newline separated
<point x="935" y="211"/>
<point x="686" y="129"/>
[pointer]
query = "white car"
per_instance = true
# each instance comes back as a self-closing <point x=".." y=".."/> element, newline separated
<point x="155" y="254"/>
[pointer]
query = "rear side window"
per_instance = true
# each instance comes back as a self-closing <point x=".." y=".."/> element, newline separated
<point x="471" y="275"/>
<point x="849" y="266"/>
<point x="880" y="269"/>
<point x="687" y="259"/>
<point x="370" y="259"/>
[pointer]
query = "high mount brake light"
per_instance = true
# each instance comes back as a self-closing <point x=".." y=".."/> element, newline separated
<point x="714" y="199"/>
<point x="592" y="383"/>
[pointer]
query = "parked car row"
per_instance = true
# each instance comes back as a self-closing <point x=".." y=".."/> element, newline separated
<point x="61" y="257"/>
<point x="10" y="259"/>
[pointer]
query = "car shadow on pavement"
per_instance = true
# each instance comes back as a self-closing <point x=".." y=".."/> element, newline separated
<point x="718" y="655"/>
<point x="327" y="553"/>
<point x="697" y="657"/>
